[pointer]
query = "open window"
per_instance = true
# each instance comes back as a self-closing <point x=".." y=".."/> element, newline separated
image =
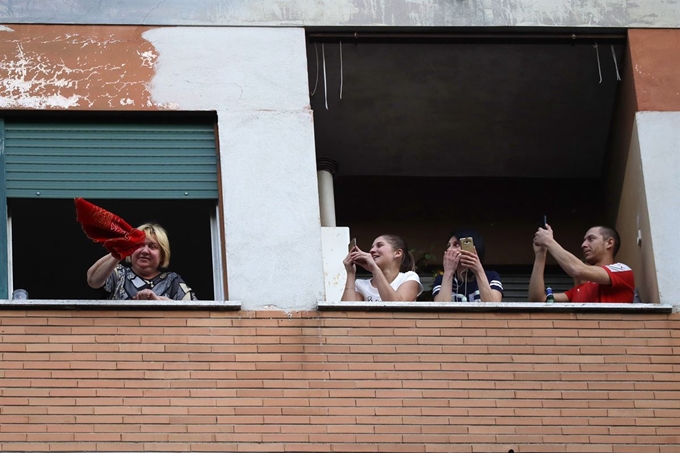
<point x="437" y="130"/>
<point x="145" y="168"/>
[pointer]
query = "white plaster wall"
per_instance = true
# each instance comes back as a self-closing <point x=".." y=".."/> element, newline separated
<point x="256" y="80"/>
<point x="334" y="242"/>
<point x="659" y="137"/>
<point x="632" y="221"/>
<point x="349" y="13"/>
<point x="230" y="68"/>
<point x="271" y="210"/>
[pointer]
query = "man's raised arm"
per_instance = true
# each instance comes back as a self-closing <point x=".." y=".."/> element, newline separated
<point x="573" y="266"/>
<point x="536" y="283"/>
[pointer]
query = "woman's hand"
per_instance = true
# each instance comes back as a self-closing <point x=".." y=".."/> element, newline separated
<point x="365" y="260"/>
<point x="451" y="260"/>
<point x="471" y="261"/>
<point x="146" y="294"/>
<point x="350" y="293"/>
<point x="350" y="268"/>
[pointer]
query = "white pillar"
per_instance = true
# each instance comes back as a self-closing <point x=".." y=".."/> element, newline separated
<point x="326" y="170"/>
<point x="659" y="139"/>
<point x="267" y="154"/>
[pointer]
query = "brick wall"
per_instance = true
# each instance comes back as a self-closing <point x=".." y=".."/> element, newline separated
<point x="339" y="382"/>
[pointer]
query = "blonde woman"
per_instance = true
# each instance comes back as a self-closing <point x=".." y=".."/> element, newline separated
<point x="144" y="277"/>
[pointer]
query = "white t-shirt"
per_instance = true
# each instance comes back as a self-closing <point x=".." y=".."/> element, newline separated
<point x="370" y="292"/>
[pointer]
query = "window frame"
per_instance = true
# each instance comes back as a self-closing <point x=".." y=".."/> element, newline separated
<point x="7" y="247"/>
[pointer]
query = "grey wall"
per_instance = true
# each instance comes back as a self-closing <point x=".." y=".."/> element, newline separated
<point x="399" y="13"/>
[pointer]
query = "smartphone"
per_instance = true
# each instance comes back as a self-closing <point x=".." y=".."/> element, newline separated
<point x="467" y="244"/>
<point x="352" y="244"/>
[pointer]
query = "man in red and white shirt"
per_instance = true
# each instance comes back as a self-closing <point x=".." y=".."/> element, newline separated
<point x="605" y="280"/>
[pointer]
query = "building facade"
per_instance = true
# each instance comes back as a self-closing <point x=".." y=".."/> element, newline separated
<point x="286" y="372"/>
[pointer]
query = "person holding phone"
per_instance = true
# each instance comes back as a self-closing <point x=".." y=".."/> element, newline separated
<point x="599" y="279"/>
<point x="392" y="266"/>
<point x="464" y="278"/>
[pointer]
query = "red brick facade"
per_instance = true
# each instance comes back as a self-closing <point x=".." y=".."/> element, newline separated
<point x="339" y="382"/>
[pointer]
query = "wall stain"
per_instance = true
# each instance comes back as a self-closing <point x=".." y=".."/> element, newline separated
<point x="76" y="67"/>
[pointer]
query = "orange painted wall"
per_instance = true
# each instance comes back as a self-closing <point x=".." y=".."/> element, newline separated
<point x="102" y="380"/>
<point x="76" y="67"/>
<point x="656" y="68"/>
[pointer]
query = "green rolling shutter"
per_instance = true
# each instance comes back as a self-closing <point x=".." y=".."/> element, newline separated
<point x="110" y="160"/>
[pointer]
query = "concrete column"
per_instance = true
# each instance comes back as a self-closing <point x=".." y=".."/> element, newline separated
<point x="267" y="157"/>
<point x="326" y="169"/>
<point x="659" y="140"/>
<point x="648" y="217"/>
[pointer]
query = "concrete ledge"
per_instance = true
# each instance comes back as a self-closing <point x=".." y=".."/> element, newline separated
<point x="145" y="304"/>
<point x="494" y="307"/>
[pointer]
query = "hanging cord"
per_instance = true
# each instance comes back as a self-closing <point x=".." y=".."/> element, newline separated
<point x="599" y="68"/>
<point x="316" y="82"/>
<point x="325" y="84"/>
<point x="342" y="77"/>
<point x="455" y="292"/>
<point x="616" y="64"/>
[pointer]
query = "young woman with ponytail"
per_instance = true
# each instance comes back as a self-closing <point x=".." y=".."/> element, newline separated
<point x="392" y="267"/>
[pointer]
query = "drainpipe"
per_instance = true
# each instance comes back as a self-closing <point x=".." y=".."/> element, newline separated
<point x="326" y="169"/>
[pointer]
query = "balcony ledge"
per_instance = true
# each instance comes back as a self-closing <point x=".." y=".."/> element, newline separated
<point x="495" y="307"/>
<point x="143" y="304"/>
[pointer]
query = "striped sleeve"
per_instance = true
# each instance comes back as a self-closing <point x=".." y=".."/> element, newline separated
<point x="437" y="285"/>
<point x="495" y="281"/>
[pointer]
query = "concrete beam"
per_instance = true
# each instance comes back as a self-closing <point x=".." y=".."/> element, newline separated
<point x="350" y="13"/>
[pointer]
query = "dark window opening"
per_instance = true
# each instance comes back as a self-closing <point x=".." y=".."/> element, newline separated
<point x="51" y="253"/>
<point x="145" y="167"/>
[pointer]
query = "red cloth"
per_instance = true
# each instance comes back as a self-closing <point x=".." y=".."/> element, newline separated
<point x="106" y="228"/>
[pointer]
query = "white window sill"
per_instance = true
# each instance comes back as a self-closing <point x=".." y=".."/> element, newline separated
<point x="199" y="304"/>
<point x="495" y="307"/>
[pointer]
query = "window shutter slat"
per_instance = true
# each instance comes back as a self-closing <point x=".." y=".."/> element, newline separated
<point x="120" y="160"/>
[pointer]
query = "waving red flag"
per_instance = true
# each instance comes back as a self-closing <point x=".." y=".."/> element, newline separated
<point x="106" y="228"/>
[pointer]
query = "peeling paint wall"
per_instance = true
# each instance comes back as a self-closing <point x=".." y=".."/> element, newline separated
<point x="75" y="67"/>
<point x="398" y="13"/>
